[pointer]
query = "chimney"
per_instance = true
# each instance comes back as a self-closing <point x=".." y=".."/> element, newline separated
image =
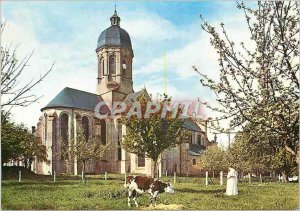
<point x="32" y="129"/>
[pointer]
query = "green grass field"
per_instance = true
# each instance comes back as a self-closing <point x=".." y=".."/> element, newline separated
<point x="190" y="193"/>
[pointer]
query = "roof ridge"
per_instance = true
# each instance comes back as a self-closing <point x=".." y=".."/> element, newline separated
<point x="81" y="91"/>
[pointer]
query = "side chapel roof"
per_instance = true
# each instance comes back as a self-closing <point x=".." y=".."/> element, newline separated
<point x="74" y="98"/>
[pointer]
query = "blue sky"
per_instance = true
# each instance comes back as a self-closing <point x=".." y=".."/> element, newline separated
<point x="67" y="33"/>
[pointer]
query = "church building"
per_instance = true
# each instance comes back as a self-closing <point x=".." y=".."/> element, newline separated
<point x="71" y="107"/>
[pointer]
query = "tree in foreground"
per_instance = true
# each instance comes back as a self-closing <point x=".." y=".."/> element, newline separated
<point x="82" y="149"/>
<point x="214" y="159"/>
<point x="17" y="144"/>
<point x="261" y="154"/>
<point x="258" y="81"/>
<point x="152" y="135"/>
<point x="249" y="154"/>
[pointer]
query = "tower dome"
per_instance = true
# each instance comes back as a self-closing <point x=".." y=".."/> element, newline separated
<point x="115" y="56"/>
<point x="114" y="36"/>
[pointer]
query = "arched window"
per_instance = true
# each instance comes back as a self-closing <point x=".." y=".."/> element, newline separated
<point x="194" y="162"/>
<point x="101" y="68"/>
<point x="103" y="131"/>
<point x="85" y="127"/>
<point x="64" y="131"/>
<point x="112" y="65"/>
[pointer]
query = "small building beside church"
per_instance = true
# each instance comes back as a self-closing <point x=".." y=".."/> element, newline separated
<point x="71" y="107"/>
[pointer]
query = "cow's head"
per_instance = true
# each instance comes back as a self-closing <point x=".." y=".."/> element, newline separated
<point x="169" y="188"/>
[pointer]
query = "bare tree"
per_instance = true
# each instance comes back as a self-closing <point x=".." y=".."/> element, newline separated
<point x="13" y="92"/>
<point x="152" y="136"/>
<point x="82" y="149"/>
<point x="260" y="86"/>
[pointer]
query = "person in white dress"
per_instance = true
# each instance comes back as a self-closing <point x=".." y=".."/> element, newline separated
<point x="231" y="188"/>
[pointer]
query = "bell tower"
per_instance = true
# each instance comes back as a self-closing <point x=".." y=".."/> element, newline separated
<point x="115" y="54"/>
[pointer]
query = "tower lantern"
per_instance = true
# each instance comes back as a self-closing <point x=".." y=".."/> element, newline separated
<point x="115" y="54"/>
<point x="115" y="19"/>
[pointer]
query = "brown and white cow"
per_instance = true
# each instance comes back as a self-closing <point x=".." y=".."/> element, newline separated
<point x="141" y="184"/>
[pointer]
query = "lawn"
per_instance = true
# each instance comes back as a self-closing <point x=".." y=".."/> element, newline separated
<point x="190" y="193"/>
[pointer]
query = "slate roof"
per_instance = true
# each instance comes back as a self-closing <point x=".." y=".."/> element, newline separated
<point x="114" y="36"/>
<point x="196" y="149"/>
<point x="191" y="125"/>
<point x="73" y="98"/>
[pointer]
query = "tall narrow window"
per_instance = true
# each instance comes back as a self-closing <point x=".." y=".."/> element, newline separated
<point x="64" y="128"/>
<point x="54" y="133"/>
<point x="112" y="65"/>
<point x="45" y="127"/>
<point x="119" y="142"/>
<point x="199" y="139"/>
<point x="85" y="127"/>
<point x="119" y="151"/>
<point x="103" y="132"/>
<point x="102" y="64"/>
<point x="54" y="143"/>
<point x="100" y="69"/>
<point x="141" y="160"/>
